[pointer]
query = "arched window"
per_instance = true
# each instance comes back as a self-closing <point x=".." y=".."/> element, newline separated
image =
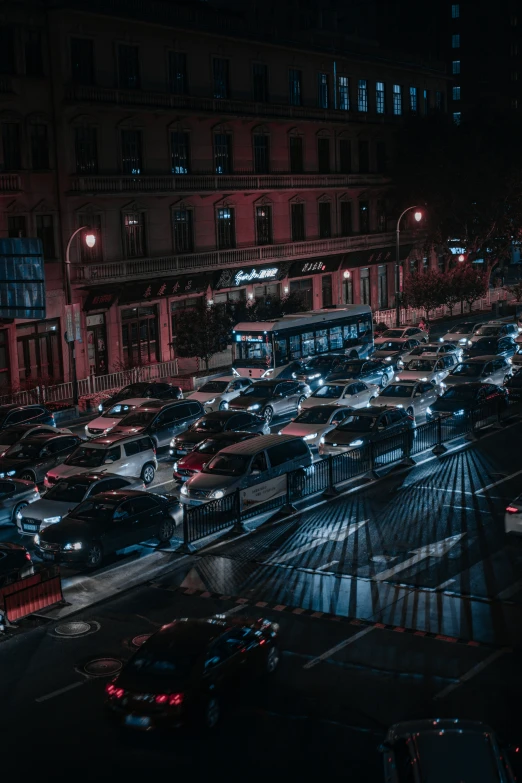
<point x="261" y="149"/>
<point x="85" y="132"/>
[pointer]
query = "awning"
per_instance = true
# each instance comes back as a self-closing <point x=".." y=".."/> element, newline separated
<point x="315" y="266"/>
<point x="380" y="255"/>
<point x="245" y="275"/>
<point x="146" y="290"/>
<point x="100" y="299"/>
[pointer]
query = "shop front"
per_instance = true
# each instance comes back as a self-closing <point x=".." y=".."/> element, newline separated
<point x="248" y="282"/>
<point x="368" y="276"/>
<point x="314" y="281"/>
<point x="96" y="308"/>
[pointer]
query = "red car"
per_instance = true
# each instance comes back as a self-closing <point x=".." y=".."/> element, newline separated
<point x="193" y="463"/>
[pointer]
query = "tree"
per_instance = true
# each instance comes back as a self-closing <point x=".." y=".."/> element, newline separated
<point x="425" y="291"/>
<point x="201" y="331"/>
<point x="451" y="290"/>
<point x="516" y="290"/>
<point x="471" y="283"/>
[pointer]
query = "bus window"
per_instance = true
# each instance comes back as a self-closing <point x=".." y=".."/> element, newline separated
<point x="308" y="344"/>
<point x="350" y="332"/>
<point x="336" y="337"/>
<point x="321" y="341"/>
<point x="295" y="346"/>
<point x="365" y="326"/>
<point x="281" y="351"/>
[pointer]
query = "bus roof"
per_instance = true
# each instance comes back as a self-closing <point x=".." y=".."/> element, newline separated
<point x="313" y="318"/>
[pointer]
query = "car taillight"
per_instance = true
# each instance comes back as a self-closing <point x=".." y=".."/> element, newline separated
<point x="512" y="510"/>
<point x="172" y="699"/>
<point x="411" y="418"/>
<point x="112" y="690"/>
<point x="53" y="421"/>
<point x="28" y="556"/>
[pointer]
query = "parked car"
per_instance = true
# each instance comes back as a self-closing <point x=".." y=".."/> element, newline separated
<point x="31" y="458"/>
<point x="427" y="369"/>
<point x="107" y="523"/>
<point x="354" y="394"/>
<point x="516" y="359"/>
<point x="11" y="415"/>
<point x="127" y="455"/>
<point x="214" y="423"/>
<point x="414" y="396"/>
<point x="317" y="369"/>
<point x="68" y="493"/>
<point x="513" y="386"/>
<point x="461" y="400"/>
<point x="15" y="495"/>
<point x="195" y="460"/>
<point x="432" y="350"/>
<point x="491" y="346"/>
<point x="484" y="369"/>
<point x="12" y="435"/>
<point x="513" y="516"/>
<point x="364" y="426"/>
<point x="404" y="332"/>
<point x="112" y="416"/>
<point x="461" y="332"/>
<point x="208" y="659"/>
<point x="15" y="563"/>
<point x="313" y="423"/>
<point x="216" y="395"/>
<point x="161" y="421"/>
<point x="246" y="465"/>
<point x="157" y="390"/>
<point x="392" y="350"/>
<point x="367" y="370"/>
<point x="272" y="398"/>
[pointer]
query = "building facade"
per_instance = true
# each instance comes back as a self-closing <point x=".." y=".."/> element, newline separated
<point x="206" y="163"/>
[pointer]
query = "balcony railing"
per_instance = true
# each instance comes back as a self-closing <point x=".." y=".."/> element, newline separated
<point x="10" y="183"/>
<point x="136" y="268"/>
<point x="189" y="183"/>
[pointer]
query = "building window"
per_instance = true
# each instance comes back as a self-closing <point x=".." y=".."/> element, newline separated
<point x="364" y="217"/>
<point x="365" y="286"/>
<point x="93" y="224"/>
<point x="439" y="100"/>
<point x="272" y="291"/>
<point x="39" y="145"/>
<point x="134" y="235"/>
<point x="128" y="67"/>
<point x="381" y="215"/>
<point x="139" y="332"/>
<point x="514" y="103"/>
<point x="455" y="67"/>
<point x="323" y="155"/>
<point x="362" y="95"/>
<point x="297" y="215"/>
<point x="237" y="295"/>
<point x="457" y="116"/>
<point x="16" y="227"/>
<point x="413" y="100"/>
<point x="226" y="231"/>
<point x="343" y="93"/>
<point x="364" y="156"/>
<point x="264" y="225"/>
<point x="222" y="153"/>
<point x="7" y="59"/>
<point x="325" y="219"/>
<point x="345" y="156"/>
<point x="131" y="159"/>
<point x="220" y="77"/>
<point x="455" y="10"/>
<point x="425" y="263"/>
<point x="294" y="87"/>
<point x="45" y="232"/>
<point x="455" y="93"/>
<point x="513" y="20"/>
<point x="86" y="150"/>
<point x="380" y="155"/>
<point x="322" y="90"/>
<point x="304" y="289"/>
<point x="5" y="364"/>
<point x="261" y="153"/>
<point x="348" y="289"/>
<point x="514" y="50"/>
<point x="183" y="230"/>
<point x="296" y="154"/>
<point x="39" y="354"/>
<point x="82" y="61"/>
<point x="379" y="98"/>
<point x="455" y="41"/>
<point x="346" y="218"/>
<point x="180" y="152"/>
<point x="414" y="266"/>
<point x="33" y="53"/>
<point x="382" y="277"/>
<point x="427" y="101"/>
<point x="326" y="286"/>
<point x="397" y="99"/>
<point x="178" y="82"/>
<point x="514" y="76"/>
<point x="11" y="147"/>
<point x="260" y="82"/>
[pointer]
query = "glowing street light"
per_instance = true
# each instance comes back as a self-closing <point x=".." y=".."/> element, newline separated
<point x="418" y="217"/>
<point x="90" y="240"/>
<point x="462" y="257"/>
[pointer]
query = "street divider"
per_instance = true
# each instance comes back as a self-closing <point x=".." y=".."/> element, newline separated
<point x="25" y="596"/>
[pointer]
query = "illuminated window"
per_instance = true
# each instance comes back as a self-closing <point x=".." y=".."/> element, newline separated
<point x="343" y="88"/>
<point x="413" y="100"/>
<point x="322" y="90"/>
<point x="131" y="157"/>
<point x="379" y="98"/>
<point x="134" y="234"/>
<point x="222" y="153"/>
<point x="455" y="93"/>
<point x="455" y="66"/>
<point x="180" y="152"/>
<point x="456" y="117"/>
<point x="397" y="99"/>
<point x="183" y="230"/>
<point x="455" y="10"/>
<point x="226" y="232"/>
<point x="362" y="95"/>
<point x="455" y="41"/>
<point x="264" y="225"/>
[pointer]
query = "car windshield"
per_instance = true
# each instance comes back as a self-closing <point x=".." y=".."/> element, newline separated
<point x="488" y="331"/>
<point x="352" y="369"/>
<point x="317" y="415"/>
<point x="421" y="364"/>
<point x="393" y="333"/>
<point x="132" y="390"/>
<point x="162" y="665"/>
<point x="489" y="346"/>
<point x="426" y="349"/>
<point x="357" y="424"/>
<point x="228" y="465"/>
<point x="91" y="510"/>
<point x="23" y="450"/>
<point x="459" y="393"/>
<point x="468" y="370"/>
<point x="397" y="390"/>
<point x="462" y="329"/>
<point x="258" y="391"/>
<point x="320" y="363"/>
<point x="456" y="757"/>
<point x="389" y="345"/>
<point x="118" y="411"/>
<point x="208" y="425"/>
<point x="68" y="491"/>
<point x="8" y="437"/>
<point x="420" y="349"/>
<point x="329" y="391"/>
<point x="213" y="445"/>
<point x="87" y="457"/>
<point x="138" y="418"/>
<point x="214" y="387"/>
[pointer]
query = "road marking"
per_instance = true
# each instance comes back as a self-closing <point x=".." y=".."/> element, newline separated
<point x="338" y="647"/>
<point x="146" y="619"/>
<point x="438" y="549"/>
<point x="162" y="483"/>
<point x="327" y="565"/>
<point x="500" y="481"/>
<point x="233" y="610"/>
<point x="445" y="584"/>
<point x="61" y="690"/>
<point x="340" y="535"/>
<point x="509" y="591"/>
<point x="437" y="489"/>
<point x="471" y="673"/>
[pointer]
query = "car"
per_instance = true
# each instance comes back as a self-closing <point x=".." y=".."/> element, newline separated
<point x="127" y="455"/>
<point x="435" y="350"/>
<point x="494" y="329"/>
<point x="11" y="415"/>
<point x="491" y="346"/>
<point x="347" y="392"/>
<point x="68" y="493"/>
<point x="460" y="333"/>
<point x="317" y="369"/>
<point x="15" y="495"/>
<point x="364" y="426"/>
<point x="391" y="351"/>
<point x="483" y="369"/>
<point x="158" y="390"/>
<point x="15" y="563"/>
<point x="367" y="370"/>
<point x="186" y="670"/>
<point x="195" y="460"/>
<point x="272" y="398"/>
<point x="406" y="331"/>
<point x="313" y="423"/>
<point x="31" y="458"/>
<point x="105" y="524"/>
<point x="161" y="421"/>
<point x="216" y="395"/>
<point x="513" y="516"/>
<point x="414" y="396"/>
<point x="112" y="416"/>
<point x="444" y="749"/>
<point x="428" y="369"/>
<point x="516" y="359"/>
<point x="214" y="423"/>
<point x="461" y="400"/>
<point x="513" y="386"/>
<point x="12" y="435"/>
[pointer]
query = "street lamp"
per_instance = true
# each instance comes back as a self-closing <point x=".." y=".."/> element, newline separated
<point x="418" y="217"/>
<point x="90" y="241"/>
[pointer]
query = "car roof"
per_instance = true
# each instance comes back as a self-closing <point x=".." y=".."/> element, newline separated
<point x="394" y="339"/>
<point x="135" y="401"/>
<point x="219" y="415"/>
<point x="117" y="495"/>
<point x="26" y="426"/>
<point x="187" y="636"/>
<point x="43" y="437"/>
<point x="156" y="405"/>
<point x="263" y="442"/>
<point x="92" y="477"/>
<point x="113" y="437"/>
<point x="274" y="382"/>
<point x="331" y="408"/>
<point x="239" y="434"/>
<point x="337" y="381"/>
<point x="374" y="410"/>
<point x="482" y="359"/>
<point x="11" y="406"/>
<point x="405" y="382"/>
<point x="470" y="384"/>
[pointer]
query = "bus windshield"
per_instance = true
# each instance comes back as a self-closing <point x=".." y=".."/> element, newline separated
<point x="260" y="351"/>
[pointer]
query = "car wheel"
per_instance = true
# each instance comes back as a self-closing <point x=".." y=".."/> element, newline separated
<point x="272" y="660"/>
<point x="28" y="477"/>
<point x="300" y="402"/>
<point x="165" y="531"/>
<point x="148" y="473"/>
<point x="18" y="508"/>
<point x="94" y="556"/>
<point x="384" y="380"/>
<point x="211" y="713"/>
<point x="268" y="414"/>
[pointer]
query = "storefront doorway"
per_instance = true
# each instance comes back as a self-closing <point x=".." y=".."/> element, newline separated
<point x="39" y="352"/>
<point x="139" y="329"/>
<point x="96" y="344"/>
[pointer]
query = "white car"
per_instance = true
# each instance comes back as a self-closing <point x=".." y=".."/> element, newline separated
<point x="391" y="350"/>
<point x="215" y="395"/>
<point x="354" y="394"/>
<point x="513" y="516"/>
<point x="431" y="350"/>
<point x="313" y="423"/>
<point x="112" y="416"/>
<point x="414" y="396"/>
<point x="427" y="369"/>
<point x="494" y="329"/>
<point x="405" y="332"/>
<point x="460" y="333"/>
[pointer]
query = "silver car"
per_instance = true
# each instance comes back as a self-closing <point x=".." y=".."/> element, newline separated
<point x="484" y="369"/>
<point x="427" y="369"/>
<point x="434" y="350"/>
<point x="313" y="423"/>
<point x="405" y="332"/>
<point x="272" y="398"/>
<point x="460" y="333"/>
<point x="12" y="435"/>
<point x="15" y="495"/>
<point x="217" y="394"/>
<point x="414" y="396"/>
<point x="160" y="420"/>
<point x="112" y="416"/>
<point x="354" y="394"/>
<point x="393" y="349"/>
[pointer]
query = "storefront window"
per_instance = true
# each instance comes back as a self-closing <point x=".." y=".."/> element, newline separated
<point x="5" y="375"/>
<point x="96" y="344"/>
<point x="139" y="329"/>
<point x="321" y="341"/>
<point x="237" y="295"/>
<point x="262" y="291"/>
<point x="307" y="343"/>
<point x="336" y="338"/>
<point x="305" y="290"/>
<point x="348" y="290"/>
<point x="39" y="352"/>
<point x="327" y="290"/>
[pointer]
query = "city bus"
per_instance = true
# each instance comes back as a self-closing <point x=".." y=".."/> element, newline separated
<point x="273" y="349"/>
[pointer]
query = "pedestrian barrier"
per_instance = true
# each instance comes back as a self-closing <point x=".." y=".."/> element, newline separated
<point x="31" y="594"/>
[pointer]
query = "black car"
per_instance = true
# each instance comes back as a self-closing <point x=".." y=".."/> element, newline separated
<point x="513" y="386"/>
<point x="194" y="462"/>
<point x="31" y="458"/>
<point x="161" y="420"/>
<point x="214" y="423"/>
<point x="15" y="495"/>
<point x="316" y="370"/>
<point x="189" y="668"/>
<point x="15" y="563"/>
<point x="368" y="425"/>
<point x="489" y="346"/>
<point x="10" y="415"/>
<point x="11" y="435"/>
<point x="105" y="524"/>
<point x="467" y="397"/>
<point x="367" y="370"/>
<point x="158" y="390"/>
<point x="271" y="398"/>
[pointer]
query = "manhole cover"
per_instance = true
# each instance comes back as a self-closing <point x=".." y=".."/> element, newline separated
<point x="73" y="629"/>
<point x="103" y="667"/>
<point x="141" y="639"/>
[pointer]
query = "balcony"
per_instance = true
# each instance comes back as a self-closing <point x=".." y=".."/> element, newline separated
<point x="139" y="268"/>
<point x="196" y="183"/>
<point x="10" y="183"/>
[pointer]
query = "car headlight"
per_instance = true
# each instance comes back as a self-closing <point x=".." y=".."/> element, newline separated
<point x="400" y="405"/>
<point x="469" y="342"/>
<point x="225" y="405"/>
<point x="321" y="381"/>
<point x="397" y="377"/>
<point x="100" y="407"/>
<point x="387" y="358"/>
<point x="400" y="363"/>
<point x="441" y="339"/>
<point x="51" y="520"/>
<point x="428" y="410"/>
<point x="184" y="490"/>
<point x="217" y="494"/>
<point x="312" y="436"/>
<point x="317" y="375"/>
<point x="254" y="407"/>
<point x="210" y="402"/>
<point x="280" y="432"/>
<point x="2" y="475"/>
<point x="37" y="539"/>
<point x="462" y="341"/>
<point x="322" y="441"/>
<point x="68" y="547"/>
<point x="11" y="472"/>
<point x="357" y="442"/>
<point x="509" y="362"/>
<point x="175" y="466"/>
<point x="423" y="379"/>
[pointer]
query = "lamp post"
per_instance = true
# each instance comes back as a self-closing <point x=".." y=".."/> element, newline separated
<point x="418" y="217"/>
<point x="90" y="241"/>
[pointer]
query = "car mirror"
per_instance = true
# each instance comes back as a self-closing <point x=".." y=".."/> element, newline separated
<point x="255" y="472"/>
<point x="108" y="462"/>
